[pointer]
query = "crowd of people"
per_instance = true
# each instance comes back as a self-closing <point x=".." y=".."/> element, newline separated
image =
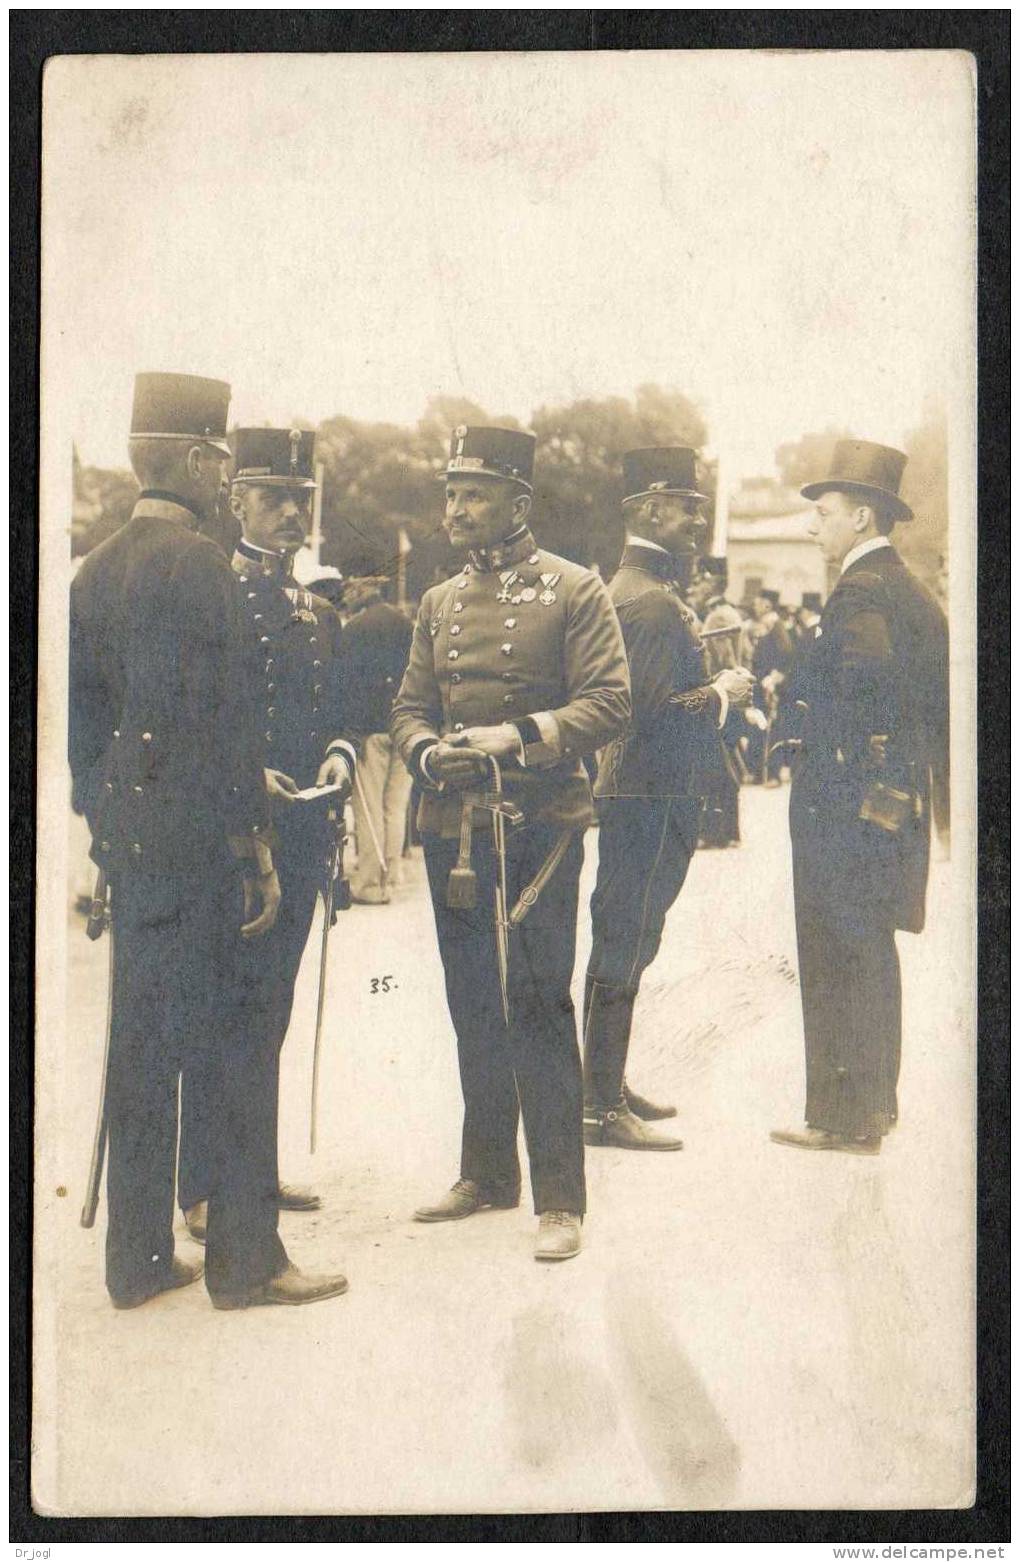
<point x="224" y="718"/>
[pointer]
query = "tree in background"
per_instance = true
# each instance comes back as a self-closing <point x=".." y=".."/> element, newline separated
<point x="804" y="460"/>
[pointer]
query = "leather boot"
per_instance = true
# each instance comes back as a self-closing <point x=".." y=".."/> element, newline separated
<point x="620" y="1129"/>
<point x="646" y="1110"/>
<point x="607" y="1021"/>
<point x="466" y="1198"/>
<point x="289" y="1289"/>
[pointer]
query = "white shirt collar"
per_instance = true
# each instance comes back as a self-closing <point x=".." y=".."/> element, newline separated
<point x="645" y="542"/>
<point x="862" y="548"/>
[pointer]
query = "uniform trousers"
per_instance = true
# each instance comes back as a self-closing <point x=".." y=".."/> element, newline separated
<point x="645" y="850"/>
<point x="267" y="972"/>
<point x="844" y="877"/>
<point x="380" y="805"/>
<point x="531" y="1068"/>
<point x="176" y="953"/>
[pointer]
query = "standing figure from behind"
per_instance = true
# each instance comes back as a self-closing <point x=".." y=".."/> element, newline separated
<point x="517" y="659"/>
<point x="720" y="821"/>
<point x="377" y="640"/>
<point x="877" y="726"/>
<point x="294" y="684"/>
<point x="650" y="781"/>
<point x="771" y="661"/>
<point x="166" y="768"/>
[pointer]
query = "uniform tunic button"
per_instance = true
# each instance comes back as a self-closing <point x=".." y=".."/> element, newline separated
<point x="509" y="623"/>
<point x="146" y="737"/>
<point x="271" y="710"/>
<point x="455" y="629"/>
<point x="137" y="789"/>
<point x="508" y="699"/>
<point x="109" y="786"/>
<point x="269" y="737"/>
<point x="104" y="846"/>
<point x="458" y="607"/>
<point x="316" y="664"/>
<point x="507" y="677"/>
<point x="458" y="726"/>
<point x="533" y="558"/>
<point x="313" y="733"/>
<point x="258" y="618"/>
<point x="507" y="649"/>
<point x="455" y="677"/>
<point x="312" y="640"/>
<point x="270" y="688"/>
<point x="451" y="656"/>
<point x="244" y="581"/>
<point x="136" y="848"/>
<point x="263" y="640"/>
<point x="252" y="595"/>
<point x="316" y="688"/>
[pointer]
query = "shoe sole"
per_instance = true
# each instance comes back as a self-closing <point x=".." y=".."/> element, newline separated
<point x="300" y="1209"/>
<point x="150" y="1296"/>
<point x="596" y="1142"/>
<point x="555" y="1258"/>
<point x="481" y="1209"/>
<point x="236" y="1303"/>
<point x="846" y="1148"/>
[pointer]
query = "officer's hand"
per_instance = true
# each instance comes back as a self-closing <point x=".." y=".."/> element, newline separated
<point x="497" y="741"/>
<point x="280" y="786"/>
<point x="335" y="771"/>
<point x="261" y="896"/>
<point x="456" y="766"/>
<point x="737" y="684"/>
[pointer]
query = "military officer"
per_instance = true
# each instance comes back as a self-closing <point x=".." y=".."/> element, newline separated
<point x="518" y="658"/>
<point x="649" y="780"/>
<point x="876" y="727"/>
<point x="293" y="640"/>
<point x="166" y="768"/>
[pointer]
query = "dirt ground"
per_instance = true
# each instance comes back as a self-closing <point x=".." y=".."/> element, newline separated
<point x="748" y="1326"/>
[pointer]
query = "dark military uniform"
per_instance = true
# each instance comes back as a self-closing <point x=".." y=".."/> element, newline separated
<point x="294" y="678"/>
<point x="522" y="636"/>
<point x="879" y="667"/>
<point x="649" y="799"/>
<point x="166" y="768"/>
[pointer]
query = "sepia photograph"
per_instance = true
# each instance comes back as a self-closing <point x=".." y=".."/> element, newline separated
<point x="506" y="919"/>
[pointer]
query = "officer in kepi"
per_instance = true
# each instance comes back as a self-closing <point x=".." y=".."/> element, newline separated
<point x="517" y="671"/>
<point x="294" y="671"/>
<point x="650" y="781"/>
<point x="166" y="768"/>
<point x="876" y="731"/>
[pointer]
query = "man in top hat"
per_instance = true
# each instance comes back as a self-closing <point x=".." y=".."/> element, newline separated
<point x="649" y="785"/>
<point x="377" y="642"/>
<point x="519" y="659"/>
<point x="165" y="761"/>
<point x="877" y="724"/>
<point x="295" y="681"/>
<point x="724" y="623"/>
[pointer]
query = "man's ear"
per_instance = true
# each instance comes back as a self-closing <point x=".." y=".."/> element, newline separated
<point x="863" y="516"/>
<point x="237" y="504"/>
<point x="522" y="507"/>
<point x="193" y="463"/>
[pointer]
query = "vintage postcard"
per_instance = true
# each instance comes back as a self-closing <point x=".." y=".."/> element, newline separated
<point x="506" y="887"/>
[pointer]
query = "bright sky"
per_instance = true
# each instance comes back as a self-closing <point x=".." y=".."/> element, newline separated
<point x="783" y="236"/>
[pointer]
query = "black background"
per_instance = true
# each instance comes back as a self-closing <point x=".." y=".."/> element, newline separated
<point x="35" y="35"/>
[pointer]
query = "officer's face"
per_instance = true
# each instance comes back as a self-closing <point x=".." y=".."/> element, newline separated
<point x="481" y="512"/>
<point x="837" y="524"/>
<point x="273" y="518"/>
<point x="207" y="468"/>
<point x="681" y="526"/>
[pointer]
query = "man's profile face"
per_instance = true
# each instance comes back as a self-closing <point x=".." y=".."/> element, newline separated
<point x="760" y="606"/>
<point x="835" y="525"/>
<point x="276" y="519"/>
<point x="481" y="511"/>
<point x="209" y="479"/>
<point x="701" y="590"/>
<point x="682" y="528"/>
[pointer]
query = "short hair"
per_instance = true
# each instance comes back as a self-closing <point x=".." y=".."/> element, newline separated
<point x="885" y="518"/>
<point x="156" y="462"/>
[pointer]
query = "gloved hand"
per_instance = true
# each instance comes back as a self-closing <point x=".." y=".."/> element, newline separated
<point x="455" y="767"/>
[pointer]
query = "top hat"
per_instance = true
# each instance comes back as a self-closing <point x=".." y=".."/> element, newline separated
<point x="812" y="601"/>
<point x="713" y="564"/>
<point x="768" y="594"/>
<point x="858" y="466"/>
<point x="275" y="457"/>
<point x="662" y="469"/>
<point x="508" y="453"/>
<point x="181" y="406"/>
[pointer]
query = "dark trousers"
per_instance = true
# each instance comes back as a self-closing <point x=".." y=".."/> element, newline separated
<point x="720" y="815"/>
<point x="645" y="850"/>
<point x="267" y="972"/>
<point x="176" y="947"/>
<point x="535" y="1060"/>
<point x="849" y="967"/>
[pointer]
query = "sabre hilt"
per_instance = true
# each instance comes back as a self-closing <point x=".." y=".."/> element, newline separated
<point x="99" y="912"/>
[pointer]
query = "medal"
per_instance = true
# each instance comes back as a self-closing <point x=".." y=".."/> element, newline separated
<point x="547" y="598"/>
<point x="527" y="595"/>
<point x="507" y="580"/>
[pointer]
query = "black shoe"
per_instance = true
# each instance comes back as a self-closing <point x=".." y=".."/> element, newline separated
<point x="465" y="1198"/>
<point x="822" y="1139"/>
<point x="179" y="1274"/>
<point x="289" y="1289"/>
<point x="646" y="1110"/>
<point x="294" y="1198"/>
<point x="623" y="1131"/>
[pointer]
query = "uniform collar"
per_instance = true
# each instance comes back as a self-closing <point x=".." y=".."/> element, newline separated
<point x="514" y="549"/>
<point x="157" y="504"/>
<point x="249" y="560"/>
<point x="639" y="554"/>
<point x="862" y="548"/>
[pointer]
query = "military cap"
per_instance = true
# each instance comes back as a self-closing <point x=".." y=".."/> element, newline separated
<point x="713" y="564"/>
<point x="274" y="457"/>
<point x="508" y="453"/>
<point x="181" y="406"/>
<point x="660" y="469"/>
<point x="874" y="471"/>
<point x="812" y="601"/>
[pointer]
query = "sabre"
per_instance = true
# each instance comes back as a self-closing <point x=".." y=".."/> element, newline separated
<point x="383" y="870"/>
<point x="99" y="919"/>
<point x="330" y="899"/>
<point x="712" y="634"/>
<point x="500" y="912"/>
